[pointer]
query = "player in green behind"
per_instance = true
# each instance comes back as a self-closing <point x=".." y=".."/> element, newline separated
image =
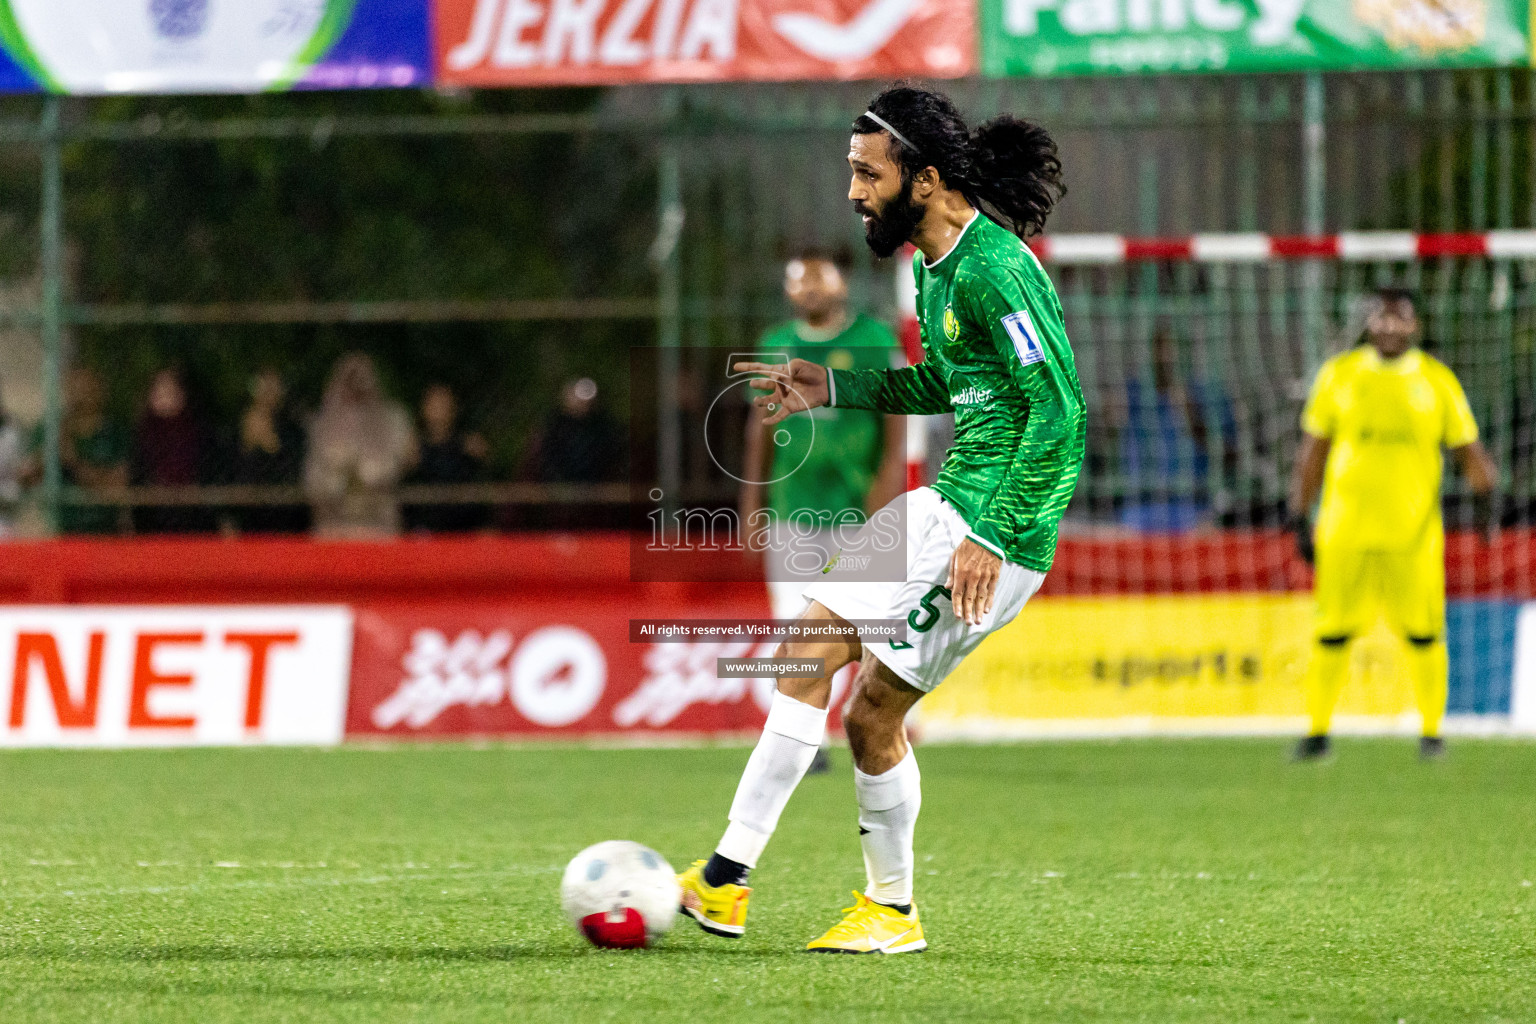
<point x="832" y="465"/>
<point x="978" y="543"/>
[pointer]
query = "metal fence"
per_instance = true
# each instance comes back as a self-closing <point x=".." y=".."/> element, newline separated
<point x="662" y="216"/>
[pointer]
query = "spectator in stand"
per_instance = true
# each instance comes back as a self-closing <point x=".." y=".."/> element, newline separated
<point x="449" y="455"/>
<point x="93" y="453"/>
<point x="172" y="447"/>
<point x="1169" y="430"/>
<point x="12" y="464"/>
<point x="268" y="451"/>
<point x="579" y="441"/>
<point x="360" y="445"/>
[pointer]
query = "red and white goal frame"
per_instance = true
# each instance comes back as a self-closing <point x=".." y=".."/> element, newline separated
<point x="1252" y="247"/>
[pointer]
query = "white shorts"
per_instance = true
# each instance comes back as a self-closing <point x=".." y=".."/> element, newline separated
<point x="937" y="640"/>
<point x="787" y="598"/>
<point x="791" y="561"/>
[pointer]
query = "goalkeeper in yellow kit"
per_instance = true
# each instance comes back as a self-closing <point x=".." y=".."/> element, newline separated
<point x="1372" y="433"/>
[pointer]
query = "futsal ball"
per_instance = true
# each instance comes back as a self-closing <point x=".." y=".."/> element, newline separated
<point x="620" y="895"/>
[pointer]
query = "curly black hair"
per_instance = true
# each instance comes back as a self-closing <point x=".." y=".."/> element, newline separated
<point x="1007" y="166"/>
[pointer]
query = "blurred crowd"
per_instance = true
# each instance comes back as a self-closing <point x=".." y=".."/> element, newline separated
<point x="1170" y="451"/>
<point x="335" y="471"/>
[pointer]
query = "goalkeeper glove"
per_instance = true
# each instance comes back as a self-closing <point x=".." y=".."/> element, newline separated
<point x="1305" y="549"/>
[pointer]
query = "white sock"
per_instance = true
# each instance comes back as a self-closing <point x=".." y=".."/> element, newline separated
<point x="779" y="761"/>
<point x="888" y="806"/>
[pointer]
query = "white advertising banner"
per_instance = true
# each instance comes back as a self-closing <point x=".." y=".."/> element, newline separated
<point x="1522" y="698"/>
<point x="173" y="676"/>
<point x="174" y="46"/>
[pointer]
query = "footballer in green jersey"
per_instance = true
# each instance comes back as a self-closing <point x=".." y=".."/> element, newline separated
<point x="832" y="461"/>
<point x="978" y="543"/>
<point x="831" y="466"/>
<point x="997" y="356"/>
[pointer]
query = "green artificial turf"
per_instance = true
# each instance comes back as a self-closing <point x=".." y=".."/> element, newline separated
<point x="1134" y="881"/>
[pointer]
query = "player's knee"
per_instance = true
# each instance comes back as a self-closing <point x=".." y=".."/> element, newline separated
<point x="868" y="724"/>
<point x="1334" y="641"/>
<point x="859" y="723"/>
<point x="813" y="690"/>
<point x="1423" y="641"/>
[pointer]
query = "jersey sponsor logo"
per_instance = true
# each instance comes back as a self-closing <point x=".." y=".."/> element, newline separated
<point x="971" y="396"/>
<point x="1371" y="435"/>
<point x="1026" y="340"/>
<point x="951" y="323"/>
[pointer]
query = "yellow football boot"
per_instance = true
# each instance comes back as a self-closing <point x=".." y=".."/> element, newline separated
<point x="872" y="927"/>
<point x="719" y="909"/>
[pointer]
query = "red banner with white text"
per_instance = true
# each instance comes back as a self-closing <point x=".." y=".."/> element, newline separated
<point x="550" y="42"/>
<point x="548" y="668"/>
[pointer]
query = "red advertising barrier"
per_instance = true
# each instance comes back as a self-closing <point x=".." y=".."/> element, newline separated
<point x="547" y="42"/>
<point x="495" y="568"/>
<point x="1232" y="561"/>
<point x="546" y="667"/>
<point x="211" y="570"/>
<point x="515" y="636"/>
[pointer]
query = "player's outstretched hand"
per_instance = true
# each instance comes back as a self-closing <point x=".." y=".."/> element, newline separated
<point x="799" y="387"/>
<point x="973" y="573"/>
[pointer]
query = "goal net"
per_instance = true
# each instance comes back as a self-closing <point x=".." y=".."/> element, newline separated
<point x="1177" y="601"/>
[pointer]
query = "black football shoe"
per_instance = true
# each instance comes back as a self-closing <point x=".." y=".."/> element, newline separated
<point x="1312" y="748"/>
<point x="1431" y="748"/>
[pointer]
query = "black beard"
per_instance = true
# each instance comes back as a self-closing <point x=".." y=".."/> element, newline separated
<point x="890" y="229"/>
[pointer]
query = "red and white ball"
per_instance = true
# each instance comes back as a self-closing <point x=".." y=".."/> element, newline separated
<point x="620" y="895"/>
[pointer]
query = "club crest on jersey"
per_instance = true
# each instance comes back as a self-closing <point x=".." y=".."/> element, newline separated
<point x="1026" y="340"/>
<point x="951" y="323"/>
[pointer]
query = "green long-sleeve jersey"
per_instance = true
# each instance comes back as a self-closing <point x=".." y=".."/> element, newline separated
<point x="997" y="355"/>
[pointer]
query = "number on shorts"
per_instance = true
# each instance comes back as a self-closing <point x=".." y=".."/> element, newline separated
<point x="930" y="615"/>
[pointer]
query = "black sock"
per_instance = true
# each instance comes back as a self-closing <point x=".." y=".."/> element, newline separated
<point x="721" y="870"/>
<point x="900" y="908"/>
